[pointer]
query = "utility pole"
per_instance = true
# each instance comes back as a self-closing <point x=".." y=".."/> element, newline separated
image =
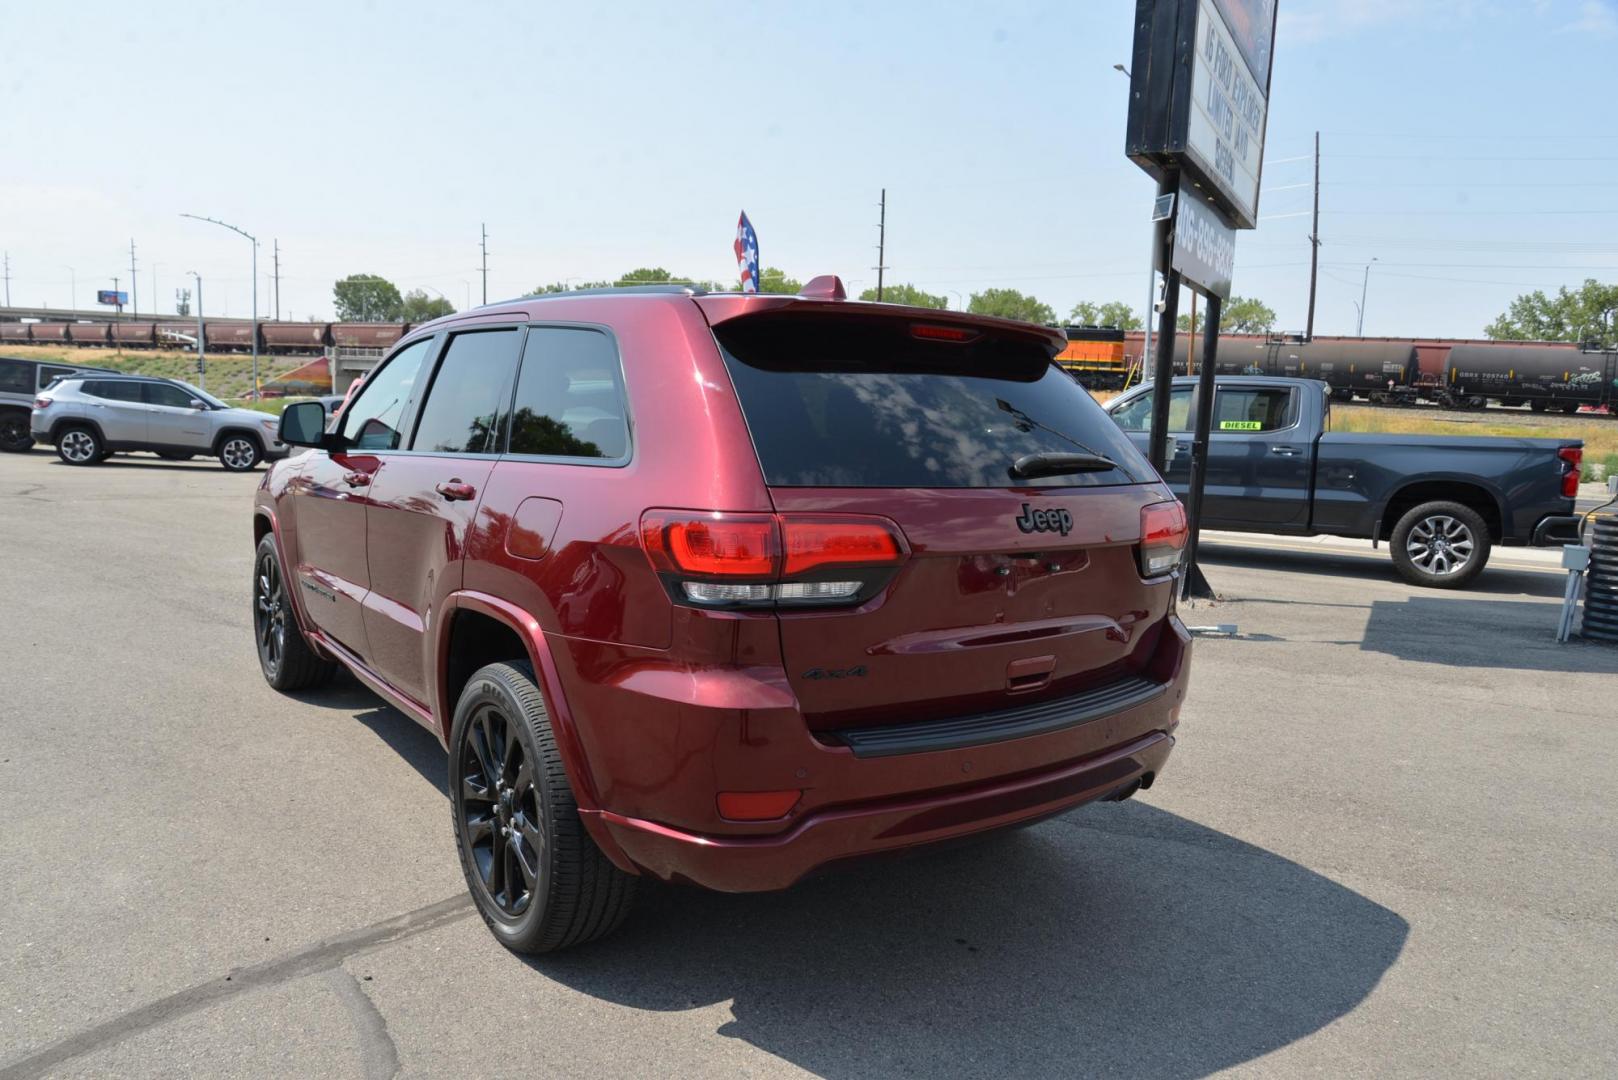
<point x="8" y="279"/>
<point x="277" y="280"/>
<point x="134" y="285"/>
<point x="202" y="366"/>
<point x="118" y="307"/>
<point x="881" y="243"/>
<point x="484" y="245"/>
<point x="1314" y="246"/>
<point x="254" y="241"/>
<point x="1364" y="285"/>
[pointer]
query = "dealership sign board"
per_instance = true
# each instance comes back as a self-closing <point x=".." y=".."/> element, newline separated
<point x="1199" y="96"/>
<point x="112" y="299"/>
<point x="1204" y="245"/>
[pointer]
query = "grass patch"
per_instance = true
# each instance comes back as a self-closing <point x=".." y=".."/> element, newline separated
<point x="229" y="376"/>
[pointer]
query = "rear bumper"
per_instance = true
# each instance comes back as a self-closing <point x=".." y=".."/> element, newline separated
<point x="760" y="863"/>
<point x="1556" y="530"/>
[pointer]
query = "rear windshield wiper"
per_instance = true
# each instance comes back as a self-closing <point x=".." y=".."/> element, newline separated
<point x="1031" y="465"/>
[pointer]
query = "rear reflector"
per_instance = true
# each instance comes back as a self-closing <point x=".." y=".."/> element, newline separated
<point x="1574" y="456"/>
<point x="756" y="805"/>
<point x="1163" y="535"/>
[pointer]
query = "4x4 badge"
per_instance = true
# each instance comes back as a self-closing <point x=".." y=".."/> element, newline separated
<point x="1045" y="521"/>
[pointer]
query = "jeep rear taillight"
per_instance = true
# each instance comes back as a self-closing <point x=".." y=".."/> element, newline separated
<point x="42" y="403"/>
<point x="1574" y="457"/>
<point x="714" y="559"/>
<point x="1163" y="535"/>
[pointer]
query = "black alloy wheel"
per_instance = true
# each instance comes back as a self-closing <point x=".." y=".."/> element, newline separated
<point x="284" y="656"/>
<point x="15" y="437"/>
<point x="537" y="877"/>
<point x="499" y="811"/>
<point x="269" y="613"/>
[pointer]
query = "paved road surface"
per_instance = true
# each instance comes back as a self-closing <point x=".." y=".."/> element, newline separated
<point x="1384" y="846"/>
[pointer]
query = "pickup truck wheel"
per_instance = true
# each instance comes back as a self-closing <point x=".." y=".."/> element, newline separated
<point x="1440" y="545"/>
<point x="14" y="435"/>
<point x="79" y="446"/>
<point x="538" y="880"/>
<point x="285" y="658"/>
<point x="239" y="453"/>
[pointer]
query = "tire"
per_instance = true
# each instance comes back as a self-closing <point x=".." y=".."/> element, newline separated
<point x="285" y="658"/>
<point x="1440" y="545"/>
<point x="544" y="885"/>
<point x="174" y="455"/>
<point x="15" y="438"/>
<point x="239" y="453"/>
<point x="77" y="444"/>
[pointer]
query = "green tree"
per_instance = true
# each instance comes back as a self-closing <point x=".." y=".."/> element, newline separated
<point x="1590" y="314"/>
<point x="1239" y="315"/>
<point x="418" y="307"/>
<point x="1011" y="304"/>
<point x="366" y="298"/>
<point x="773" y="279"/>
<point x="1117" y="313"/>
<point x="907" y="294"/>
<point x="1245" y="315"/>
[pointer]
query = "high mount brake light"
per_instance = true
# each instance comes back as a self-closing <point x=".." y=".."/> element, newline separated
<point x="1574" y="456"/>
<point x="1163" y="534"/>
<point x="749" y="560"/>
<point x="931" y="332"/>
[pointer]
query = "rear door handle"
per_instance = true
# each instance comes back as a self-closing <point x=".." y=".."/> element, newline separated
<point x="356" y="479"/>
<point x="454" y="490"/>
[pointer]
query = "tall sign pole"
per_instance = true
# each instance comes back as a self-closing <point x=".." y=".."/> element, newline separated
<point x="1198" y="111"/>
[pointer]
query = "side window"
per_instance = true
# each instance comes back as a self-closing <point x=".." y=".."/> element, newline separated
<point x="16" y="377"/>
<point x="372" y="419"/>
<point x="1137" y="415"/>
<point x="465" y="399"/>
<point x="570" y="396"/>
<point x="164" y="394"/>
<point x="108" y="390"/>
<point x="46" y="374"/>
<point x="1258" y="409"/>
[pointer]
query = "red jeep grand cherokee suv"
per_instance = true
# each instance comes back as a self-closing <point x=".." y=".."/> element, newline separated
<point x="725" y="588"/>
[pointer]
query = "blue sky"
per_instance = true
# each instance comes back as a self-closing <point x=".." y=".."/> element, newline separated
<point x="1468" y="146"/>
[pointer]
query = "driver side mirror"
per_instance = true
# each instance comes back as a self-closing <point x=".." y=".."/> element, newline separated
<point x="199" y="405"/>
<point x="304" y="424"/>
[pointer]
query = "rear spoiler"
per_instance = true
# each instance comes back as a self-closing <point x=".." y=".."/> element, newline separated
<point x="720" y="308"/>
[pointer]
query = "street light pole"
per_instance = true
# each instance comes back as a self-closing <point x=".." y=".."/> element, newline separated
<point x="1363" y="286"/>
<point x="202" y="365"/>
<point x="1151" y="281"/>
<point x="254" y="241"/>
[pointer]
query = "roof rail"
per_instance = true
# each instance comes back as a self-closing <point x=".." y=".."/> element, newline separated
<point x="654" y="290"/>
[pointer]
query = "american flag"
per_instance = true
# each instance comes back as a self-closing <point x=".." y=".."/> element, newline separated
<point x="746" y="248"/>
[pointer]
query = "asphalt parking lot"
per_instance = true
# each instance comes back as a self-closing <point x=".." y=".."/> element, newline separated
<point x="1385" y="845"/>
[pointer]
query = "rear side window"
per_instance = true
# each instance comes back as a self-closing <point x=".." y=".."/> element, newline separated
<point x="16" y="377"/>
<point x="473" y="379"/>
<point x="570" y="396"/>
<point x="864" y="403"/>
<point x="110" y="390"/>
<point x="1258" y="409"/>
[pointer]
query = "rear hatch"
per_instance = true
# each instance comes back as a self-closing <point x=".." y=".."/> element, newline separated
<point x="1015" y="587"/>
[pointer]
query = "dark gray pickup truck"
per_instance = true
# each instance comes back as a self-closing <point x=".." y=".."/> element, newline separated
<point x="1441" y="502"/>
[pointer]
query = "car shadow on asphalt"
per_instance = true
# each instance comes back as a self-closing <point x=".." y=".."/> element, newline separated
<point x="1117" y="940"/>
<point x="415" y="745"/>
<point x="1463" y="631"/>
<point x="1495" y="580"/>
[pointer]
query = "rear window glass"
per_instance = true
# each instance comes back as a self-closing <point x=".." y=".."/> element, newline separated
<point x="16" y="377"/>
<point x="835" y="403"/>
<point x="1258" y="409"/>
